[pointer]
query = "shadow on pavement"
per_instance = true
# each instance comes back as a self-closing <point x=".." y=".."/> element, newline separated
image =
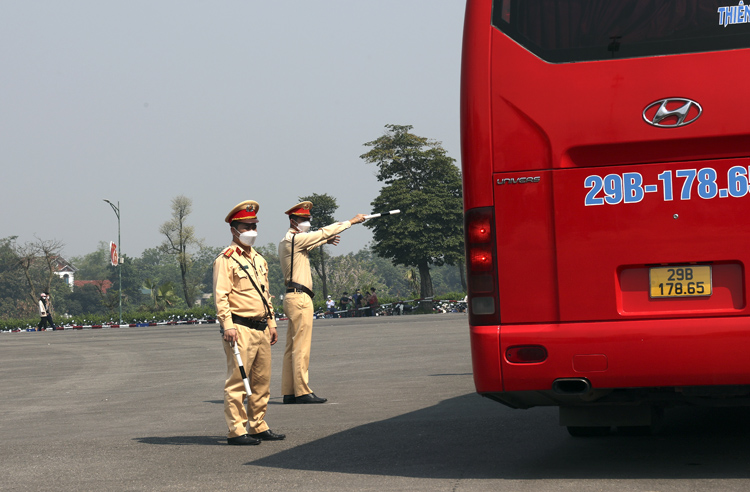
<point x="185" y="440"/>
<point x="465" y="437"/>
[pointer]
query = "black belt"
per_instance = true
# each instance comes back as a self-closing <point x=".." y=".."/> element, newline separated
<point x="295" y="287"/>
<point x="255" y="324"/>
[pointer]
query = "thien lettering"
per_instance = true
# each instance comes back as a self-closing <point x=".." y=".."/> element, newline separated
<point x="736" y="14"/>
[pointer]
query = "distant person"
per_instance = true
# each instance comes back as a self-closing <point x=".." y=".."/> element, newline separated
<point x="368" y="310"/>
<point x="344" y="304"/>
<point x="45" y="313"/>
<point x="294" y="254"/>
<point x="246" y="317"/>
<point x="331" y="306"/>
<point x="372" y="301"/>
<point x="50" y="311"/>
<point x="357" y="302"/>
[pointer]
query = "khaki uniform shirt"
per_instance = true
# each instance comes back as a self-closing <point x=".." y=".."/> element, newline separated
<point x="303" y="243"/>
<point x="233" y="290"/>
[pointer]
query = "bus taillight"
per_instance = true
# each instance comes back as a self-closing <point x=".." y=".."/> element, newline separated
<point x="481" y="266"/>
<point x="478" y="230"/>
<point x="481" y="259"/>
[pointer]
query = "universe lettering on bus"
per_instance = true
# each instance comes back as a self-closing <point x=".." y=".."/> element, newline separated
<point x="682" y="184"/>
<point x="735" y="14"/>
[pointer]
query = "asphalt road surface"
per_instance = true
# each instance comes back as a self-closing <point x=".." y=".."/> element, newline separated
<point x="141" y="409"/>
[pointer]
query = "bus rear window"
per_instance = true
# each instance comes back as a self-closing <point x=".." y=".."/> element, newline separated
<point x="563" y="31"/>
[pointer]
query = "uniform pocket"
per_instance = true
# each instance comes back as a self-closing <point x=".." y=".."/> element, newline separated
<point x="241" y="281"/>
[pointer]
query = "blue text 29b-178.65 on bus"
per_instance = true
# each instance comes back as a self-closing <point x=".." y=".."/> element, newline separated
<point x="682" y="184"/>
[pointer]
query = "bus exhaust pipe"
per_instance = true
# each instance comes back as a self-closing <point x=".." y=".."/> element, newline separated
<point x="571" y="386"/>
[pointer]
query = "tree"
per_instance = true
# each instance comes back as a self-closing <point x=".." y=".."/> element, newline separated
<point x="276" y="285"/>
<point x="424" y="183"/>
<point x="324" y="206"/>
<point x="181" y="237"/>
<point x="163" y="295"/>
<point x="93" y="266"/>
<point x="84" y="300"/>
<point x="203" y="269"/>
<point x="351" y="272"/>
<point x="394" y="277"/>
<point x="13" y="300"/>
<point x="38" y="261"/>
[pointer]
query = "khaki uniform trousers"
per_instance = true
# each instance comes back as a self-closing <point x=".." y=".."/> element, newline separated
<point x="294" y="373"/>
<point x="255" y="351"/>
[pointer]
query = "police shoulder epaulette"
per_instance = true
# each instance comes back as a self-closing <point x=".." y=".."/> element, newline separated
<point x="228" y="252"/>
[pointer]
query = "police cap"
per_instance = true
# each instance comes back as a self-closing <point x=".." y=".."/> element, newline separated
<point x="246" y="211"/>
<point x="302" y="209"/>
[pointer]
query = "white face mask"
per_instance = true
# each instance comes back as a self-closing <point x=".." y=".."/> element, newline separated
<point x="248" y="237"/>
<point x="304" y="226"/>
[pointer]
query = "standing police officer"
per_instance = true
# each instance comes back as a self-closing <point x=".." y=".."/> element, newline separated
<point x="294" y="254"/>
<point x="245" y="313"/>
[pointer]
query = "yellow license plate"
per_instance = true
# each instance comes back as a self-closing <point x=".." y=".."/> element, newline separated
<point x="680" y="281"/>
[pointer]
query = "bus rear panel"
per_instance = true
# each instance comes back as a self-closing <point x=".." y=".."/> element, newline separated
<point x="606" y="165"/>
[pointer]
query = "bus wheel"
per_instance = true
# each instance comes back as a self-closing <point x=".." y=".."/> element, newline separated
<point x="587" y="431"/>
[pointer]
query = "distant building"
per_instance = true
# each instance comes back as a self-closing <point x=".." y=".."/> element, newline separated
<point x="64" y="270"/>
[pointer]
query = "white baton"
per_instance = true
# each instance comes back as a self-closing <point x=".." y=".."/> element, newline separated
<point x="392" y="212"/>
<point x="242" y="369"/>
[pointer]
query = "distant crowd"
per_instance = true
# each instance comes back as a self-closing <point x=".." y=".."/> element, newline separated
<point x="354" y="306"/>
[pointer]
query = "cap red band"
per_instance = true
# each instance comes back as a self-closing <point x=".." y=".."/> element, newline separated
<point x="299" y="211"/>
<point x="244" y="215"/>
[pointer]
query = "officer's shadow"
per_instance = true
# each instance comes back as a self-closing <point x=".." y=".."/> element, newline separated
<point x="185" y="440"/>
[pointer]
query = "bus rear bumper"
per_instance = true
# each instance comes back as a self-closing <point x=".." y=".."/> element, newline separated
<point x="699" y="360"/>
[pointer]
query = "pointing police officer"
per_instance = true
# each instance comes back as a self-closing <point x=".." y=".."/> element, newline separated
<point x="294" y="251"/>
<point x="245" y="313"/>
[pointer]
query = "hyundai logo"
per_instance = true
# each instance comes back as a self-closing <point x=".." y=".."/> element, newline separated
<point x="672" y="112"/>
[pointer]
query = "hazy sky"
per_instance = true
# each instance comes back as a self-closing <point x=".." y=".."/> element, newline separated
<point x="220" y="101"/>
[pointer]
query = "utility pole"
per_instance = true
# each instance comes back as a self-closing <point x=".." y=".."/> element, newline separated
<point x="116" y="209"/>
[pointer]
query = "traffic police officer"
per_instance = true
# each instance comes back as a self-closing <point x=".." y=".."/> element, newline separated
<point x="245" y="313"/>
<point x="294" y="254"/>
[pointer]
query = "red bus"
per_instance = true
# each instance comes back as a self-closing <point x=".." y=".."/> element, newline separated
<point x="605" y="159"/>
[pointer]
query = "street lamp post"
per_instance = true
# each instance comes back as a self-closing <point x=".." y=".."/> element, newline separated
<point x="116" y="209"/>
